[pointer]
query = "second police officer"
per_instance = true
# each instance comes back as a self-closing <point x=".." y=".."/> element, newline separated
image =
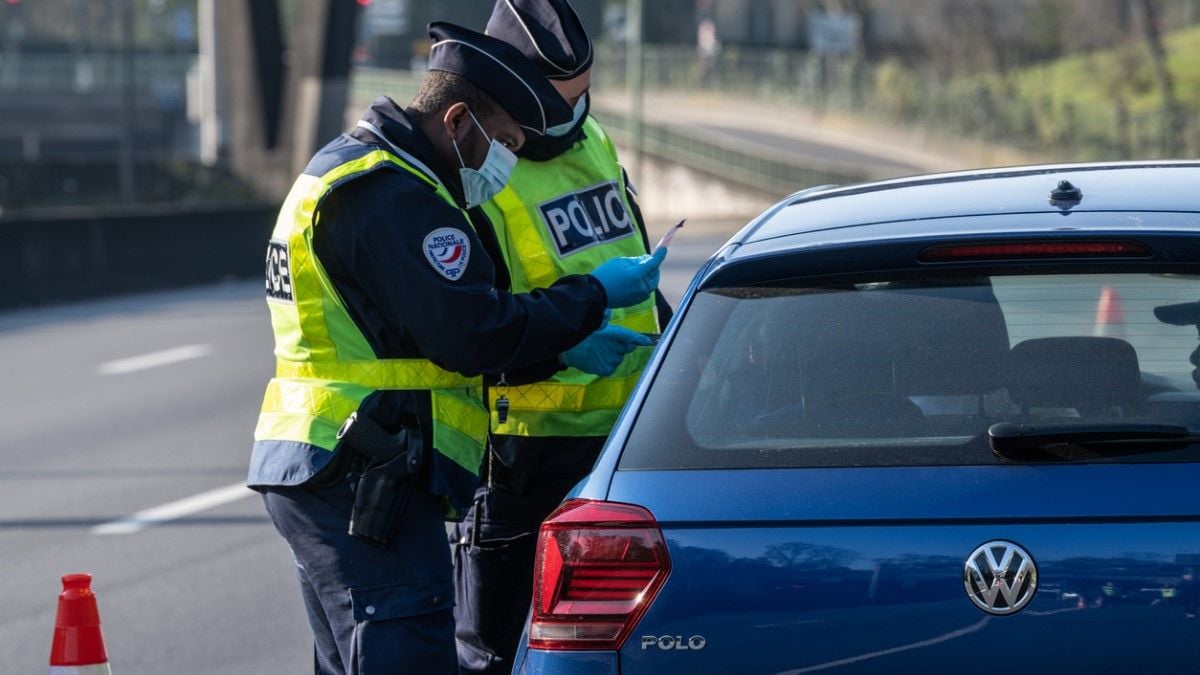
<point x="567" y="208"/>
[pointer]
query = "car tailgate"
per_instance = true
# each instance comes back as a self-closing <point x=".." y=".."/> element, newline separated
<point x="862" y="569"/>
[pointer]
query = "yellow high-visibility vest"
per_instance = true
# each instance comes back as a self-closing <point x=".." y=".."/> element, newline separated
<point x="325" y="366"/>
<point x="558" y="217"/>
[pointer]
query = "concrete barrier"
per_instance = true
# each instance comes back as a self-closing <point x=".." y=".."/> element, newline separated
<point x="668" y="191"/>
<point x="55" y="255"/>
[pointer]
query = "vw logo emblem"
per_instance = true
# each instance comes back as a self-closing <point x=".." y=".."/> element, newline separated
<point x="1000" y="577"/>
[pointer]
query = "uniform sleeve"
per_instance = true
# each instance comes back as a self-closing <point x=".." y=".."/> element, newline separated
<point x="420" y="264"/>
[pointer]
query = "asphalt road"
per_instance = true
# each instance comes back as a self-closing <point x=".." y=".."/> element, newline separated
<point x="91" y="437"/>
<point x="147" y="403"/>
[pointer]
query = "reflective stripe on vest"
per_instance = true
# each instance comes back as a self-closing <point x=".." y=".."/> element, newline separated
<point x="381" y="374"/>
<point x="325" y="366"/>
<point x="549" y="226"/>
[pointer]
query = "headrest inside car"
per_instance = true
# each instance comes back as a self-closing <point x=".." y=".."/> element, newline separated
<point x="1084" y="373"/>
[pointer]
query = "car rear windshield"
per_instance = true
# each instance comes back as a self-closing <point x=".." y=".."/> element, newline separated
<point x="913" y="372"/>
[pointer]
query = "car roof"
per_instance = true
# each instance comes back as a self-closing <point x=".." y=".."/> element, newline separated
<point x="935" y="204"/>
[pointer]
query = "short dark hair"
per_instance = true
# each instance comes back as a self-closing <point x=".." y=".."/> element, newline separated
<point x="441" y="89"/>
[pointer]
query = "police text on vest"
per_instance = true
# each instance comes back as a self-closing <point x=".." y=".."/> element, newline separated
<point x="587" y="217"/>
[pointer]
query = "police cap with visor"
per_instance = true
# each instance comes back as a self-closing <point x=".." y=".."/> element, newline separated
<point x="500" y="71"/>
<point x="548" y="32"/>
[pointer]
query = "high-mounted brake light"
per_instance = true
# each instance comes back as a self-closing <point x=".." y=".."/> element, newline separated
<point x="1010" y="250"/>
<point x="599" y="566"/>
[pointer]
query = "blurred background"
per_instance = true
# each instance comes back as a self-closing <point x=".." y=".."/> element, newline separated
<point x="127" y="125"/>
<point x="146" y="145"/>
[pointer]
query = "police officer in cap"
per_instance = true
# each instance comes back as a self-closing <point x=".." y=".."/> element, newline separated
<point x="385" y="314"/>
<point x="568" y="207"/>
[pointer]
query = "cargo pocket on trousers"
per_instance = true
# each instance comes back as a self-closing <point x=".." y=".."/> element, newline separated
<point x="493" y="590"/>
<point x="397" y="601"/>
<point x="401" y="628"/>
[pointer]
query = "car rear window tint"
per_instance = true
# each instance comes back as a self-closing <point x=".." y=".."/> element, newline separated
<point x="902" y="372"/>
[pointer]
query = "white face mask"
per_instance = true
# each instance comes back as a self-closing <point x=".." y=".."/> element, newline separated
<point x="566" y="127"/>
<point x="480" y="185"/>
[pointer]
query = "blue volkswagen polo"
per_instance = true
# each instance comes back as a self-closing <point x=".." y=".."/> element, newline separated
<point x="938" y="424"/>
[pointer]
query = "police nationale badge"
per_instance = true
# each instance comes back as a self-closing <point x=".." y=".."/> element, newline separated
<point x="448" y="250"/>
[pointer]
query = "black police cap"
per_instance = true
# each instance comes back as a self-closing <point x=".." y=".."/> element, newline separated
<point x="548" y="32"/>
<point x="501" y="72"/>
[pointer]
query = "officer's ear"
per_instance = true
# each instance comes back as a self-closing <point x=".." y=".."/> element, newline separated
<point x="457" y="121"/>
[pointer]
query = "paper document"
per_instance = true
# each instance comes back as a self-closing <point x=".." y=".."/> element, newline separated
<point x="666" y="238"/>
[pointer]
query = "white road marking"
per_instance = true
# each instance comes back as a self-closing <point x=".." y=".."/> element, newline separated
<point x="154" y="359"/>
<point x="173" y="510"/>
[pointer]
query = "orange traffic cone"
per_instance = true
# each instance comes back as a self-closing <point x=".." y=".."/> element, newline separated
<point x="1109" y="317"/>
<point x="78" y="647"/>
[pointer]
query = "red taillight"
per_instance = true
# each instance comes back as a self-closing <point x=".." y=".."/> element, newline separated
<point x="1033" y="249"/>
<point x="599" y="566"/>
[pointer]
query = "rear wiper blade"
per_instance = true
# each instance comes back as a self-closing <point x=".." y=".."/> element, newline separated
<point x="1008" y="439"/>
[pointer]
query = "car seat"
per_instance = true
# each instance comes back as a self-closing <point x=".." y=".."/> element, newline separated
<point x="864" y="357"/>
<point x="1083" y="376"/>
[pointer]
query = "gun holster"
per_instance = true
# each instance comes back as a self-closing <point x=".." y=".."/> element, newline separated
<point x="391" y="463"/>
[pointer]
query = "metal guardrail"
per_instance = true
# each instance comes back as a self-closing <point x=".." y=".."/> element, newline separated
<point x="726" y="160"/>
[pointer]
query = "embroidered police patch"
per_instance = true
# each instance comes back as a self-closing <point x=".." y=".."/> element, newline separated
<point x="448" y="250"/>
<point x="582" y="219"/>
<point x="279" y="274"/>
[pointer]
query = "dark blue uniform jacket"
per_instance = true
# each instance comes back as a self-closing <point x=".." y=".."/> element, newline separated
<point x="370" y="237"/>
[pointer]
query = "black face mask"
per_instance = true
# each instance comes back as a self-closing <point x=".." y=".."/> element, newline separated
<point x="542" y="148"/>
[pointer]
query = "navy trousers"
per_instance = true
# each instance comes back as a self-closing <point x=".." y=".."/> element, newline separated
<point x="373" y="610"/>
<point x="493" y="567"/>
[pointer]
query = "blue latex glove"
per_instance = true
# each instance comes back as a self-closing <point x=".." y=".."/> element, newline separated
<point x="601" y="352"/>
<point x="628" y="281"/>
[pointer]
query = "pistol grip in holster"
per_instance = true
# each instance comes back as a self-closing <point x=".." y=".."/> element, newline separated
<point x="379" y="500"/>
<point x="383" y="488"/>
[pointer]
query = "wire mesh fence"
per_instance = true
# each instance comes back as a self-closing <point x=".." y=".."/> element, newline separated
<point x="988" y="107"/>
